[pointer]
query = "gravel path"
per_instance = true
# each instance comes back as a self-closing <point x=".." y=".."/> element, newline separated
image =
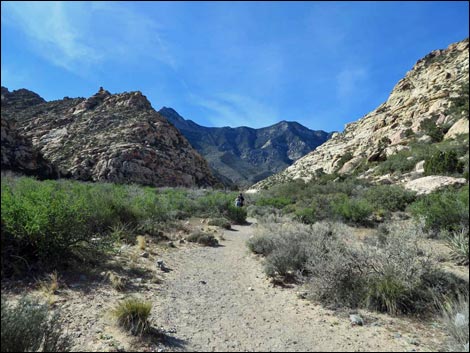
<point x="218" y="299"/>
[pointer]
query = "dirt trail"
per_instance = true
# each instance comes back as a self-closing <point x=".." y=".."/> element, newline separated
<point x="218" y="299"/>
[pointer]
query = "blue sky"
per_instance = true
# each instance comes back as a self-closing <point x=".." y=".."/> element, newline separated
<point x="322" y="64"/>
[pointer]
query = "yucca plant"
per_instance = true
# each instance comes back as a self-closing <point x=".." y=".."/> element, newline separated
<point x="132" y="314"/>
<point x="457" y="241"/>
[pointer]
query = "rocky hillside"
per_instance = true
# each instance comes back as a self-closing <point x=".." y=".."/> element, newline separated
<point x="107" y="137"/>
<point x="244" y="155"/>
<point x="421" y="105"/>
<point x="18" y="153"/>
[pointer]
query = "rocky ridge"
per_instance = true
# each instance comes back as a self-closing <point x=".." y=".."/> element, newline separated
<point x="108" y="137"/>
<point x="244" y="155"/>
<point x="424" y="93"/>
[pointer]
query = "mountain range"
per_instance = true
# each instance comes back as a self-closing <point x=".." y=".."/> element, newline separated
<point x="243" y="155"/>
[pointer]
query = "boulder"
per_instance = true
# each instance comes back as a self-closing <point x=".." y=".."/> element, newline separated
<point x="460" y="127"/>
<point x="428" y="184"/>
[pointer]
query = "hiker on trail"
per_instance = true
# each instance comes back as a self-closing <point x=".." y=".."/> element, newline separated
<point x="239" y="200"/>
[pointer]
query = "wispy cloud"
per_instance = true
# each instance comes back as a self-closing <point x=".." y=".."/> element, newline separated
<point x="230" y="109"/>
<point x="52" y="35"/>
<point x="78" y="36"/>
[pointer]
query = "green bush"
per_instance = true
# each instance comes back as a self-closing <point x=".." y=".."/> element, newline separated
<point x="132" y="314"/>
<point x="355" y="211"/>
<point x="397" y="163"/>
<point x="443" y="210"/>
<point x="386" y="293"/>
<point x="389" y="197"/>
<point x="47" y="222"/>
<point x="429" y="127"/>
<point x="236" y="214"/>
<point x="29" y="327"/>
<point x="203" y="238"/>
<point x="277" y="202"/>
<point x="443" y="163"/>
<point x="306" y="215"/>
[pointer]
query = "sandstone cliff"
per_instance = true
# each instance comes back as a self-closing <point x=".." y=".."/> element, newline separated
<point x="110" y="137"/>
<point x="424" y="94"/>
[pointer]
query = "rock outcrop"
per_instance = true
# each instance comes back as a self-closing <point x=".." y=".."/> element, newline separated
<point x="428" y="184"/>
<point x="110" y="137"/>
<point x="425" y="93"/>
<point x="18" y="154"/>
<point x="244" y="155"/>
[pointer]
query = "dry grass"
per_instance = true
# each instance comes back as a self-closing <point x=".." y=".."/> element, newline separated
<point x="132" y="314"/>
<point x="50" y="286"/>
<point x="141" y="242"/>
<point x="454" y="315"/>
<point x="117" y="282"/>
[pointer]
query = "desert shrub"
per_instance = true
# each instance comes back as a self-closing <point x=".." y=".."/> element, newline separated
<point x="386" y="293"/>
<point x="458" y="242"/>
<point x="443" y="210"/>
<point x="459" y="106"/>
<point x="236" y="214"/>
<point x="220" y="222"/>
<point x="277" y="202"/>
<point x="397" y="163"/>
<point x="408" y="133"/>
<point x="389" y="197"/>
<point x="429" y="127"/>
<point x="344" y="158"/>
<point x="211" y="204"/>
<point x="203" y="238"/>
<point x="306" y="215"/>
<point x="123" y="233"/>
<point x="43" y="220"/>
<point x="397" y="268"/>
<point x="337" y="275"/>
<point x="288" y="246"/>
<point x="454" y="315"/>
<point x="390" y="274"/>
<point x="132" y="314"/>
<point x="261" y="212"/>
<point x="355" y="211"/>
<point x="443" y="163"/>
<point x="28" y="326"/>
<point x="261" y="244"/>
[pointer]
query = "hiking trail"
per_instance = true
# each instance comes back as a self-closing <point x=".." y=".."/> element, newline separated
<point x="218" y="299"/>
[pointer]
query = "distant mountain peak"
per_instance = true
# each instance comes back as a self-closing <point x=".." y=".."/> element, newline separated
<point x="246" y="155"/>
